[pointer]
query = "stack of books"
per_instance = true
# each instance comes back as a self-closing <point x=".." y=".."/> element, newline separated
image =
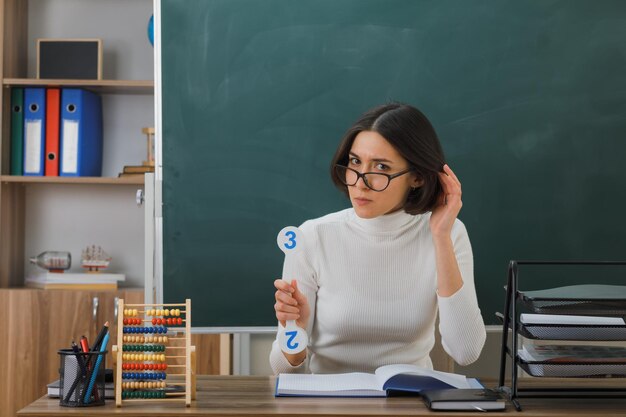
<point x="74" y="281"/>
<point x="136" y="170"/>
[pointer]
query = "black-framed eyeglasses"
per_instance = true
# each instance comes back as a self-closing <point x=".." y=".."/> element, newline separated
<point x="375" y="181"/>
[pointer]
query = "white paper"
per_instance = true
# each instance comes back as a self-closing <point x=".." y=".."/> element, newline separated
<point x="350" y="382"/>
<point x="69" y="147"/>
<point x="572" y="320"/>
<point x="32" y="137"/>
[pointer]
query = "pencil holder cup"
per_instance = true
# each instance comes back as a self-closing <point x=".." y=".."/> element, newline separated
<point x="81" y="378"/>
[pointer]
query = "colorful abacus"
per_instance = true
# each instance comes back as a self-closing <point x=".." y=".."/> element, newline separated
<point x="150" y="337"/>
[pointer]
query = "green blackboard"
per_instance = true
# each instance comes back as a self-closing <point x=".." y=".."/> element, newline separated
<point x="528" y="97"/>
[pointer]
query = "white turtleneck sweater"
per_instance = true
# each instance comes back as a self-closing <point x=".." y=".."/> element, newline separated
<point x="372" y="288"/>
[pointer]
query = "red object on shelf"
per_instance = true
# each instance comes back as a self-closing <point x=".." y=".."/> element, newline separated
<point x="53" y="117"/>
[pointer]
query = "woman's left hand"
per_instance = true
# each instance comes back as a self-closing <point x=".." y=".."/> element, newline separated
<point x="448" y="204"/>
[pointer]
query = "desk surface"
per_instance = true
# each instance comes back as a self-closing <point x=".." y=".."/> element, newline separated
<point x="234" y="396"/>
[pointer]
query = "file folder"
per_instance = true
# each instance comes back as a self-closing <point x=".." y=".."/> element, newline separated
<point x="81" y="133"/>
<point x="53" y="108"/>
<point x="34" y="130"/>
<point x="17" y="131"/>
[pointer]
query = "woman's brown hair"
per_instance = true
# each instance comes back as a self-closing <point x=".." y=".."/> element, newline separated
<point x="413" y="136"/>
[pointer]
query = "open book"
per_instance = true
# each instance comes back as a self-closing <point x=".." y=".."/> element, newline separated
<point x="386" y="380"/>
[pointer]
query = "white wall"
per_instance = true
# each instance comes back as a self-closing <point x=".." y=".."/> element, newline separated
<point x="70" y="217"/>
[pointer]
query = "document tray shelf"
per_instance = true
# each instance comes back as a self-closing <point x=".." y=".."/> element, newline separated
<point x="586" y="332"/>
<point x="578" y="300"/>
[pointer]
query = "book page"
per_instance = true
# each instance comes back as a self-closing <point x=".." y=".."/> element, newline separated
<point x="385" y="372"/>
<point x="328" y="382"/>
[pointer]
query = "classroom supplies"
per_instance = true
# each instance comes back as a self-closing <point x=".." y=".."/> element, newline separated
<point x="53" y="114"/>
<point x="94" y="372"/>
<point x="54" y="389"/>
<point x="463" y="399"/>
<point x="17" y="131"/>
<point x="100" y="337"/>
<point x="34" y="130"/>
<point x="573" y="360"/>
<point x="154" y="349"/>
<point x="76" y="372"/>
<point x="292" y="339"/>
<point x="565" y="327"/>
<point x="557" y="360"/>
<point x="69" y="59"/>
<point x="322" y="55"/>
<point x="387" y="380"/>
<point x="81" y="133"/>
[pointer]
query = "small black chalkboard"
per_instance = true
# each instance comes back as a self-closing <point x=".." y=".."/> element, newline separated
<point x="71" y="59"/>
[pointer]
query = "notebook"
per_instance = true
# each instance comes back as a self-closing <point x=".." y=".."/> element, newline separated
<point x="388" y="380"/>
<point x="55" y="387"/>
<point x="463" y="399"/>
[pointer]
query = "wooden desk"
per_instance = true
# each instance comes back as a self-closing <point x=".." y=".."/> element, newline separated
<point x="234" y="396"/>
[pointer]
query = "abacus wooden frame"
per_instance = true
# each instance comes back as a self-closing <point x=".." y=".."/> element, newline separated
<point x="190" y="374"/>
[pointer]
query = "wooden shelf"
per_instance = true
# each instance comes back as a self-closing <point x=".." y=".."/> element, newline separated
<point x="99" y="86"/>
<point x="139" y="180"/>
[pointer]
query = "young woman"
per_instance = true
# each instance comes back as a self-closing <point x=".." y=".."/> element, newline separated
<point x="373" y="278"/>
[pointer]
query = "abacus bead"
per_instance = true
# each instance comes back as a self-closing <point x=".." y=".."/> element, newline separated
<point x="166" y="312"/>
<point x="134" y="312"/>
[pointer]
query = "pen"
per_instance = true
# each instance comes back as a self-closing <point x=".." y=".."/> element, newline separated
<point x="94" y="372"/>
<point x="103" y="331"/>
<point x="79" y="358"/>
<point x="83" y="373"/>
<point x="96" y="347"/>
<point x="84" y="344"/>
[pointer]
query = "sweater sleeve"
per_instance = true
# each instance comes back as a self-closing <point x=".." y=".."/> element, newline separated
<point x="460" y="322"/>
<point x="298" y="266"/>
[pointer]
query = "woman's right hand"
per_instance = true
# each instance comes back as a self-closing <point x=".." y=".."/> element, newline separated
<point x="291" y="304"/>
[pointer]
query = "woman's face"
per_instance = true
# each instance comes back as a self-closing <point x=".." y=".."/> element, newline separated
<point x="371" y="152"/>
